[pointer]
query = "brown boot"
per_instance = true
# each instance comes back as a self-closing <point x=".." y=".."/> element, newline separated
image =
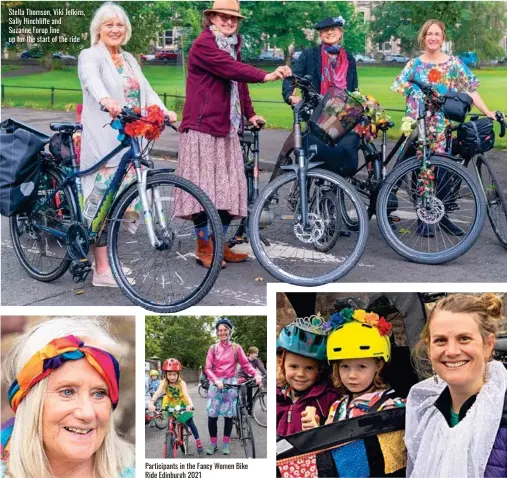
<point x="204" y="253"/>
<point x="230" y="256"/>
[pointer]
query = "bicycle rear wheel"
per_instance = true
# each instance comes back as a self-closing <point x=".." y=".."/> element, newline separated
<point x="326" y="204"/>
<point x="43" y="255"/>
<point x="285" y="249"/>
<point x="167" y="278"/>
<point x="247" y="437"/>
<point x="496" y="203"/>
<point x="260" y="409"/>
<point x="203" y="392"/>
<point x="422" y="234"/>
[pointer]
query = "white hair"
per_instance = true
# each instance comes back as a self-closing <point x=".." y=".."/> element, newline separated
<point x="27" y="458"/>
<point x="107" y="11"/>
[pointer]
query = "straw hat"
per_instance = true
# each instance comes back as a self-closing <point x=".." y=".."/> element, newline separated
<point x="228" y="7"/>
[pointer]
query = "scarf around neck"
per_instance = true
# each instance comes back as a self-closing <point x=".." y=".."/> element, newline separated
<point x="436" y="449"/>
<point x="334" y="70"/>
<point x="228" y="44"/>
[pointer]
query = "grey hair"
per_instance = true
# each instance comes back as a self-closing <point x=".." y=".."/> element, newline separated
<point x="107" y="11"/>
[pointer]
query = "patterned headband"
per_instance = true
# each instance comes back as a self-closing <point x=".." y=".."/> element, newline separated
<point x="53" y="356"/>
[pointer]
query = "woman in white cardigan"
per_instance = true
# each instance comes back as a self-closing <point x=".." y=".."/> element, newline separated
<point x="112" y="78"/>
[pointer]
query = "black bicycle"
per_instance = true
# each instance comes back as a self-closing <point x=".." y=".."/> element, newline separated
<point x="151" y="246"/>
<point x="496" y="200"/>
<point x="294" y="217"/>
<point x="242" y="423"/>
<point x="259" y="410"/>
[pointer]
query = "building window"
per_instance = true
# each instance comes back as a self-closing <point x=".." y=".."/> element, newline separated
<point x="386" y="46"/>
<point x="166" y="38"/>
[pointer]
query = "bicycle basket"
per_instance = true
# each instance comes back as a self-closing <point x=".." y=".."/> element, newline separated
<point x="336" y="115"/>
<point x="476" y="136"/>
<point x="457" y="106"/>
<point x="19" y="166"/>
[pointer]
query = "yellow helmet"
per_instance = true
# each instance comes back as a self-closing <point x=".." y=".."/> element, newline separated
<point x="358" y="340"/>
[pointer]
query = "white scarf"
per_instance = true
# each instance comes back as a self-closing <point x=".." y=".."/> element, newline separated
<point x="437" y="450"/>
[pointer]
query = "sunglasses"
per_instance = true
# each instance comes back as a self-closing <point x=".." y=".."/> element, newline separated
<point x="226" y="18"/>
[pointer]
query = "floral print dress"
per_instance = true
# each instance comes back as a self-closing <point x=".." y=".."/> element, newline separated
<point x="451" y="75"/>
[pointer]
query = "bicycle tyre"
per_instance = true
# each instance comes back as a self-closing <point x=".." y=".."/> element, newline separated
<point x="343" y="266"/>
<point x="203" y="392"/>
<point x="247" y="437"/>
<point x="260" y="409"/>
<point x="66" y="207"/>
<point x="391" y="184"/>
<point x="329" y="202"/>
<point x="129" y="196"/>
<point x="161" y="422"/>
<point x="170" y="450"/>
<point x="496" y="203"/>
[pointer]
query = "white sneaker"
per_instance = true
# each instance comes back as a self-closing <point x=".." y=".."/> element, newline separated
<point x="126" y="270"/>
<point x="107" y="280"/>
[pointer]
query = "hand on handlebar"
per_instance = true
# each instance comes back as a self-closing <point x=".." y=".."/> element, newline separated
<point x="220" y="385"/>
<point x="113" y="107"/>
<point x="171" y="116"/>
<point x="279" y="74"/>
<point x="500" y="117"/>
<point x="258" y="380"/>
<point x="257" y="121"/>
<point x="190" y="408"/>
<point x="151" y="407"/>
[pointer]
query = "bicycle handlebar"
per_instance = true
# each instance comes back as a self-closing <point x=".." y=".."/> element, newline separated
<point x="499" y="116"/>
<point x="128" y="113"/>
<point x="428" y="91"/>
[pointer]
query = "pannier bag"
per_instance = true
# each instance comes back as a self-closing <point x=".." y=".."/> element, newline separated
<point x="476" y="136"/>
<point x="336" y="115"/>
<point x="457" y="106"/>
<point x="19" y="165"/>
<point x="59" y="146"/>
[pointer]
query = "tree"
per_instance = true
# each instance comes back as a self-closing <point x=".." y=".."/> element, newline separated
<point x="477" y="26"/>
<point x="251" y="331"/>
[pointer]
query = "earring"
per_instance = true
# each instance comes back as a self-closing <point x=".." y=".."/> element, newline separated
<point x="435" y="376"/>
<point x="486" y="372"/>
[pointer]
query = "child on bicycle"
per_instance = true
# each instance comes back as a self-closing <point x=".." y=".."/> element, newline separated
<point x="176" y="394"/>
<point x="302" y="376"/>
<point x="358" y="349"/>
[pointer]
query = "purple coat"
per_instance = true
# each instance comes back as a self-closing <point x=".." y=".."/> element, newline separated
<point x="288" y="413"/>
<point x="208" y="101"/>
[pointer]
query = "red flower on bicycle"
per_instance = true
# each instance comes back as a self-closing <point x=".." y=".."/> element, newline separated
<point x="149" y="126"/>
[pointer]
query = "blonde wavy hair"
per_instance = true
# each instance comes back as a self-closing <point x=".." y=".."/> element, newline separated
<point x="486" y="310"/>
<point x="27" y="458"/>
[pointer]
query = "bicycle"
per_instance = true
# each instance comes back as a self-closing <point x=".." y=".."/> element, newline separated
<point x="158" y="417"/>
<point x="496" y="202"/>
<point x="177" y="434"/>
<point x="241" y="421"/>
<point x="288" y="219"/>
<point x="54" y="235"/>
<point x="203" y="387"/>
<point x="260" y="407"/>
<point x="404" y="216"/>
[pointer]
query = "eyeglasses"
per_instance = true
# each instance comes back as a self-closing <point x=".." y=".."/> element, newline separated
<point x="226" y="18"/>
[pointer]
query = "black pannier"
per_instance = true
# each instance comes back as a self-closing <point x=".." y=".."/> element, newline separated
<point x="19" y="165"/>
<point x="457" y="106"/>
<point x="476" y="136"/>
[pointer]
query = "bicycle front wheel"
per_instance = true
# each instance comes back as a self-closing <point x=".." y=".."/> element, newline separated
<point x="260" y="409"/>
<point x="286" y="249"/>
<point x="165" y="278"/>
<point x="247" y="437"/>
<point x="42" y="254"/>
<point x="170" y="450"/>
<point x="443" y="229"/>
<point x="496" y="203"/>
<point x="203" y="392"/>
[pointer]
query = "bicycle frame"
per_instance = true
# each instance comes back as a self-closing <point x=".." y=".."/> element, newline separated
<point x="180" y="433"/>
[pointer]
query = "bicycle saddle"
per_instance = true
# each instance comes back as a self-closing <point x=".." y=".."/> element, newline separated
<point x="66" y="127"/>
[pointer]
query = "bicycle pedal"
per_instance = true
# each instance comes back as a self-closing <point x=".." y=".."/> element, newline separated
<point x="80" y="270"/>
<point x="394" y="219"/>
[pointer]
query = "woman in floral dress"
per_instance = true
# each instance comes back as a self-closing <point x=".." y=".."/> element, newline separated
<point x="445" y="73"/>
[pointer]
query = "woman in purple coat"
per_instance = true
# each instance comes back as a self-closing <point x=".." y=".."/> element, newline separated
<point x="456" y="422"/>
<point x="217" y="101"/>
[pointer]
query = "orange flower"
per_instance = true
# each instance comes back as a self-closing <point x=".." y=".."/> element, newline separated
<point x="372" y="318"/>
<point x="435" y="75"/>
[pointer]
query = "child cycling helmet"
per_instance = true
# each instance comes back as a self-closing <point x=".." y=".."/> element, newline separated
<point x="224" y="321"/>
<point x="153" y="373"/>
<point x="304" y="337"/>
<point x="357" y="339"/>
<point x="172" y="365"/>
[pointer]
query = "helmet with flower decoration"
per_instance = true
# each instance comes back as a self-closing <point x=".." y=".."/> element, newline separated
<point x="358" y="334"/>
<point x="305" y="336"/>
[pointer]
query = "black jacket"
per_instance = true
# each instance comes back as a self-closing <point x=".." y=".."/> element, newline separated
<point x="310" y="63"/>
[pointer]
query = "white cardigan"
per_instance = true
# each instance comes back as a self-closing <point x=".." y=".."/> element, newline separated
<point x="100" y="79"/>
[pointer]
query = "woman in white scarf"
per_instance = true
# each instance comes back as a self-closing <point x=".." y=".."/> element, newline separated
<point x="454" y="418"/>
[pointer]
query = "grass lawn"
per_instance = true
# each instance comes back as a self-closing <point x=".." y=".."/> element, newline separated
<point x="374" y="81"/>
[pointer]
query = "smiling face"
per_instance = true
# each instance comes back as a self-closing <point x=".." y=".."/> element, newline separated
<point x="434" y="38"/>
<point x="226" y="24"/>
<point x="357" y="375"/>
<point x="112" y="32"/>
<point x="457" y="350"/>
<point x="172" y="376"/>
<point x="76" y="413"/>
<point x="223" y="332"/>
<point x="300" y="372"/>
<point x="331" y="35"/>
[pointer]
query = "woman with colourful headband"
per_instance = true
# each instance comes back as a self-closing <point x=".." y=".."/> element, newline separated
<point x="64" y="386"/>
<point x="358" y="349"/>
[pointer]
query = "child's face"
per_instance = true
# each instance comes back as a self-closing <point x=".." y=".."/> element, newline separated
<point x="172" y="376"/>
<point x="300" y="372"/>
<point x="358" y="374"/>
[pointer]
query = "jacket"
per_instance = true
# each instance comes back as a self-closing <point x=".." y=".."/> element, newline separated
<point x="310" y="63"/>
<point x="497" y="462"/>
<point x="288" y="413"/>
<point x="221" y="361"/>
<point x="257" y="364"/>
<point x="208" y="100"/>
